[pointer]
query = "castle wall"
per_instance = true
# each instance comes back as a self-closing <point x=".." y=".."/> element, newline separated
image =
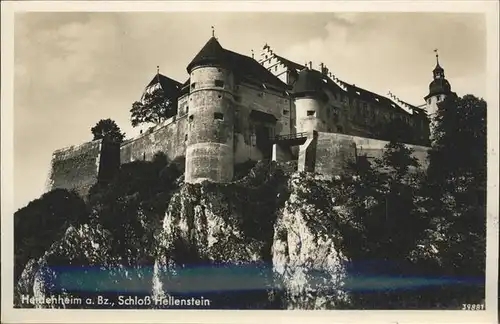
<point x="75" y="167"/>
<point x="248" y="98"/>
<point x="168" y="138"/>
<point x="334" y="150"/>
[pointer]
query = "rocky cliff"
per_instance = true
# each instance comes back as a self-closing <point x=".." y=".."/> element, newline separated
<point x="272" y="239"/>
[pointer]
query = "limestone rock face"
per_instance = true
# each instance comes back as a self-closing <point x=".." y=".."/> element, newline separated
<point x="262" y="242"/>
<point x="65" y="266"/>
<point x="216" y="243"/>
<point x="306" y="261"/>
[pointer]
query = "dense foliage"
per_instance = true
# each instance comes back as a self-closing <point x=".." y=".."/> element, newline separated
<point x="153" y="108"/>
<point x="107" y="129"/>
<point x="44" y="221"/>
<point x="141" y="186"/>
<point x="455" y="190"/>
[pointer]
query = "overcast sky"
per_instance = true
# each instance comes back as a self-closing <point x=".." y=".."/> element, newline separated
<point x="73" y="69"/>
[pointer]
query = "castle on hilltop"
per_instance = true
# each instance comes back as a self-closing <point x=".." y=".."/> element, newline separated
<point x="233" y="108"/>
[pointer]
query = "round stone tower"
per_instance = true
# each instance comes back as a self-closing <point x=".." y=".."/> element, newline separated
<point x="209" y="142"/>
<point x="310" y="100"/>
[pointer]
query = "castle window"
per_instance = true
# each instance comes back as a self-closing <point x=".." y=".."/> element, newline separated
<point x="193" y="85"/>
<point x="191" y="118"/>
<point x="186" y="137"/>
<point x="275" y="68"/>
<point x="219" y="70"/>
<point x="285" y="112"/>
<point x="219" y="83"/>
<point x="187" y="109"/>
<point x="219" y="96"/>
<point x="311" y="113"/>
<point x="218" y="116"/>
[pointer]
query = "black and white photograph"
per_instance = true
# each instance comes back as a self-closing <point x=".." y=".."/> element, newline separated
<point x="251" y="156"/>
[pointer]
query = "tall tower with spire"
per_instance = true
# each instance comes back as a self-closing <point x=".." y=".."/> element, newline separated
<point x="439" y="89"/>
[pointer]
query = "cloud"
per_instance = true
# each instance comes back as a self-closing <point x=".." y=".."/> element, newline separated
<point x="382" y="51"/>
<point x="72" y="69"/>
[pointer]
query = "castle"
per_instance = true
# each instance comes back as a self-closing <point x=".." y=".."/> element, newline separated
<point x="234" y="108"/>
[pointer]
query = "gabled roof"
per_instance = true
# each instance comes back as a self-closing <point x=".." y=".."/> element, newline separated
<point x="372" y="97"/>
<point x="248" y="68"/>
<point x="170" y="87"/>
<point x="313" y="80"/>
<point x="243" y="67"/>
<point x="289" y="64"/>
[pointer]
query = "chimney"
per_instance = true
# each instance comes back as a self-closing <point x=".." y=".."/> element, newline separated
<point x="324" y="69"/>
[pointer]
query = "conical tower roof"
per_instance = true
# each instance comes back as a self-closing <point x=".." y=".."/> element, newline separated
<point x="212" y="53"/>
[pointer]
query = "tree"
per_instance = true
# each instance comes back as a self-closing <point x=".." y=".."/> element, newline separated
<point x="385" y="204"/>
<point x="107" y="128"/>
<point x="456" y="184"/>
<point x="154" y="108"/>
<point x="42" y="222"/>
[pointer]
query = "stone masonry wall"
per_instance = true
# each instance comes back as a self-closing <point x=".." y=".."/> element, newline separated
<point x="334" y="150"/>
<point x="248" y="98"/>
<point x="168" y="138"/>
<point x="75" y="167"/>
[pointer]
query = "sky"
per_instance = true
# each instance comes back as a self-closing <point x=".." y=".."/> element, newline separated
<point x="73" y="69"/>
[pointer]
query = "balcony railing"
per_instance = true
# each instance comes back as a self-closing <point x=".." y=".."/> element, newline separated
<point x="286" y="137"/>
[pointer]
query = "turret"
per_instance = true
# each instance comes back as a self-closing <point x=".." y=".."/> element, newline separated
<point x="310" y="101"/>
<point x="209" y="144"/>
<point x="439" y="89"/>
